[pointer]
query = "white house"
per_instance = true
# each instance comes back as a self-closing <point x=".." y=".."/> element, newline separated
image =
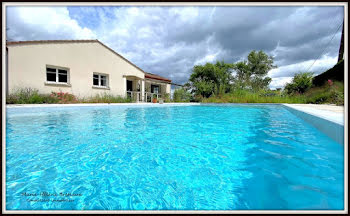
<point x="81" y="67"/>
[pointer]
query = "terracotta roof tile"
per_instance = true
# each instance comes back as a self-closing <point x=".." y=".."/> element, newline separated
<point x="156" y="77"/>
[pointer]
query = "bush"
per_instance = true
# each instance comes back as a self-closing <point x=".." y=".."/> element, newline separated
<point x="268" y="93"/>
<point x="320" y="98"/>
<point x="246" y="96"/>
<point x="166" y="97"/>
<point x="301" y="83"/>
<point x="331" y="92"/>
<point x="32" y="96"/>
<point x="64" y="97"/>
<point x="107" y="98"/>
<point x="29" y="96"/>
<point x="181" y="95"/>
<point x="331" y="97"/>
<point x="338" y="98"/>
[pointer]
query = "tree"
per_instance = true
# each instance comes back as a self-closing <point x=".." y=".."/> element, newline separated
<point x="251" y="74"/>
<point x="210" y="79"/>
<point x="242" y="78"/>
<point x="223" y="75"/>
<point x="301" y="82"/>
<point x="182" y="95"/>
<point x="217" y="79"/>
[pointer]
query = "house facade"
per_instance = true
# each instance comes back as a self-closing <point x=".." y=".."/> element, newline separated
<point x="81" y="67"/>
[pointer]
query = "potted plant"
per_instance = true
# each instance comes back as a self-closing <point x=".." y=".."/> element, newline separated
<point x="154" y="99"/>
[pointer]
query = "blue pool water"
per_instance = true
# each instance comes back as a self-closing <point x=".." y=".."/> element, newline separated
<point x="239" y="157"/>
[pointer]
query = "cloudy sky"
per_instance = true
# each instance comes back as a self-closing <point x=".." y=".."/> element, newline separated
<point x="169" y="41"/>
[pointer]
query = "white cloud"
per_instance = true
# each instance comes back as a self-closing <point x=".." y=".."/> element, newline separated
<point x="319" y="66"/>
<point x="280" y="82"/>
<point x="42" y="23"/>
<point x="208" y="58"/>
<point x="185" y="14"/>
<point x="280" y="76"/>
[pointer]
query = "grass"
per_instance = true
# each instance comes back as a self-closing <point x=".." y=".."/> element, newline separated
<point x="106" y="98"/>
<point x="326" y="94"/>
<point x="330" y="94"/>
<point x="249" y="97"/>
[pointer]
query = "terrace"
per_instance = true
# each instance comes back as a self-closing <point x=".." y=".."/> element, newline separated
<point x="145" y="90"/>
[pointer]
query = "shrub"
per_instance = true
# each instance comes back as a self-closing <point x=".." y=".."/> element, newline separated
<point x="267" y="93"/>
<point x="246" y="96"/>
<point x="331" y="92"/>
<point x="301" y="83"/>
<point x="338" y="98"/>
<point x="29" y="96"/>
<point x="319" y="98"/>
<point x="166" y="97"/>
<point x="181" y="95"/>
<point x="107" y="98"/>
<point x="64" y="97"/>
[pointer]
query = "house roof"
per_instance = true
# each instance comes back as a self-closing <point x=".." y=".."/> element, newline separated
<point x="49" y="41"/>
<point x="156" y="77"/>
<point x="147" y="75"/>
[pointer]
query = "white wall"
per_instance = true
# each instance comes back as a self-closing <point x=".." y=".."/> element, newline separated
<point x="27" y="67"/>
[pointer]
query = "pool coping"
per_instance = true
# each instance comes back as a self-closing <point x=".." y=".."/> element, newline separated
<point x="96" y="104"/>
<point x="333" y="116"/>
<point x="329" y="122"/>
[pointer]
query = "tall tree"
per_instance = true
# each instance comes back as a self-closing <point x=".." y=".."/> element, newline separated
<point x="210" y="79"/>
<point x="251" y="74"/>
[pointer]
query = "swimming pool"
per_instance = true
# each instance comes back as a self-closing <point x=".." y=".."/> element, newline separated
<point x="204" y="157"/>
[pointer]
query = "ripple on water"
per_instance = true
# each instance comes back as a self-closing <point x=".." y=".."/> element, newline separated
<point x="177" y="158"/>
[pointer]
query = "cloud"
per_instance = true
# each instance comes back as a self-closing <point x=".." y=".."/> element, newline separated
<point x="280" y="76"/>
<point x="169" y="41"/>
<point x="317" y="67"/>
<point x="280" y="82"/>
<point x="44" y="23"/>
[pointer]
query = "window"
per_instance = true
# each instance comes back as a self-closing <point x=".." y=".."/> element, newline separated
<point x="129" y="85"/>
<point x="100" y="80"/>
<point x="155" y="89"/>
<point x="57" y="75"/>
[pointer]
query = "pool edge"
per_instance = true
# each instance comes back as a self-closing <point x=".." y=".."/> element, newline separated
<point x="95" y="104"/>
<point x="331" y="128"/>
